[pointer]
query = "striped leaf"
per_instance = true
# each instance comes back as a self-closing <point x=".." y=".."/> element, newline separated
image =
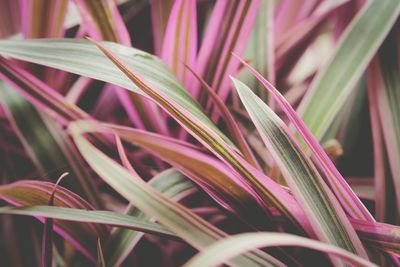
<point x="327" y="217"/>
<point x="170" y="183"/>
<point x="81" y="57"/>
<point x="223" y="250"/>
<point x="174" y="216"/>
<point x="335" y="82"/>
<point x="30" y="193"/>
<point x="180" y="40"/>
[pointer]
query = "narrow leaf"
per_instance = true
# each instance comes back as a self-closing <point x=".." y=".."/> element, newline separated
<point x="223" y="250"/>
<point x="122" y="241"/>
<point x="227" y="31"/>
<point x="385" y="82"/>
<point x="160" y="10"/>
<point x="47" y="145"/>
<point x="103" y="21"/>
<point x="217" y="179"/>
<point x="91" y="217"/>
<point x="267" y="189"/>
<point x="350" y="202"/>
<point x="335" y="82"/>
<point x="80" y="57"/>
<point x="47" y="239"/>
<point x="180" y="40"/>
<point x="100" y="257"/>
<point x="174" y="216"/>
<point x="42" y="18"/>
<point x="28" y="193"/>
<point x="328" y="218"/>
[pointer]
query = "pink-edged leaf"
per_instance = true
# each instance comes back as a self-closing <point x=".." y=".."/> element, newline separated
<point x="160" y="10"/>
<point x="174" y="216"/>
<point x="305" y="30"/>
<point x="267" y="190"/>
<point x="381" y="175"/>
<point x="47" y="145"/>
<point x="9" y="18"/>
<point x="180" y="40"/>
<point x="384" y="84"/>
<point x="232" y="125"/>
<point x="41" y="95"/>
<point x="100" y="218"/>
<point x="80" y="57"/>
<point x="38" y="92"/>
<point x="227" y="31"/>
<point x="381" y="236"/>
<point x="260" y="50"/>
<point x="223" y="250"/>
<point x="47" y="239"/>
<point x="27" y="193"/>
<point x="170" y="183"/>
<point x="327" y="218"/>
<point x="39" y="21"/>
<point x="217" y="179"/>
<point x="103" y="21"/>
<point x="348" y="199"/>
<point x="332" y="86"/>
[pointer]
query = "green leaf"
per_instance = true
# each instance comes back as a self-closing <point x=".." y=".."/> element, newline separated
<point x="170" y="183"/>
<point x="324" y="211"/>
<point x="174" y="216"/>
<point x="260" y="48"/>
<point x="223" y="250"/>
<point x="212" y="175"/>
<point x="47" y="145"/>
<point x="82" y="58"/>
<point x="90" y="216"/>
<point x="335" y="82"/>
<point x="268" y="190"/>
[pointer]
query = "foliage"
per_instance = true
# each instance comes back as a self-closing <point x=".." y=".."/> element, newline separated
<point x="199" y="133"/>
